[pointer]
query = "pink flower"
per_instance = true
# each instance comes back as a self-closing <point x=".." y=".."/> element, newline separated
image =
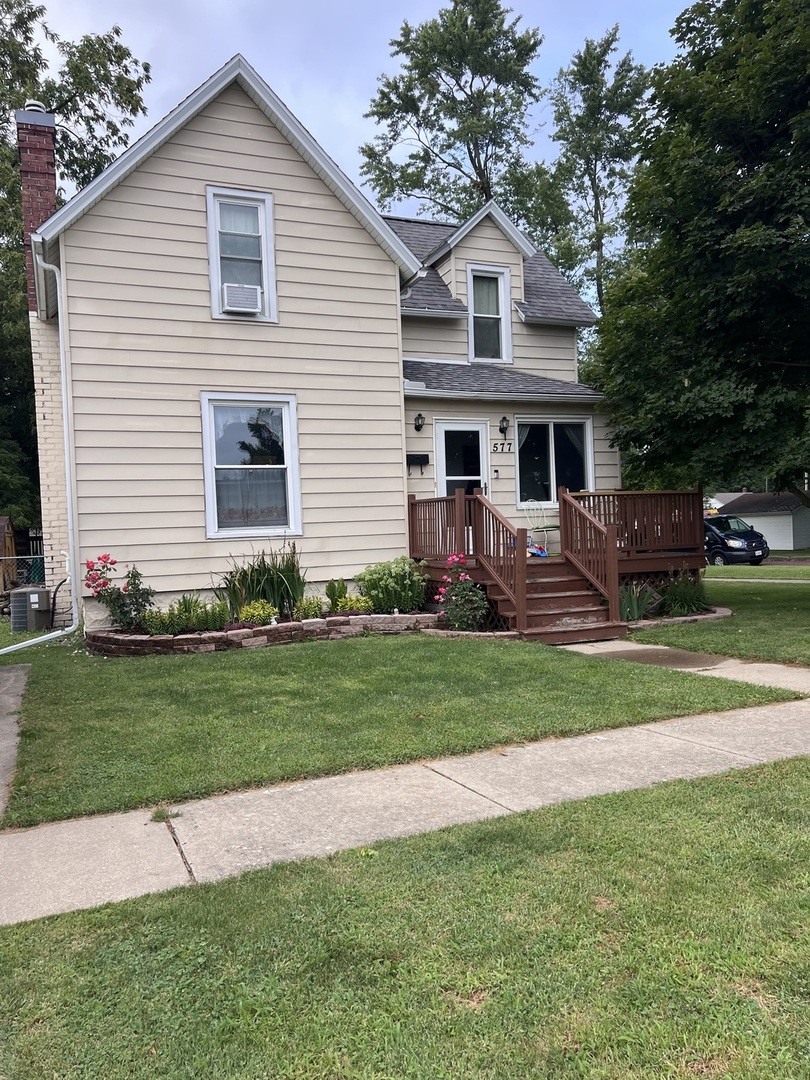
<point x="125" y="587"/>
<point x="104" y="558"/>
<point x="90" y="564"/>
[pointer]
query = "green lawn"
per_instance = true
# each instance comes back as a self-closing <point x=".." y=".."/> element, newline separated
<point x="646" y="935"/>
<point x="770" y="622"/>
<point x="765" y="572"/>
<point x="100" y="735"/>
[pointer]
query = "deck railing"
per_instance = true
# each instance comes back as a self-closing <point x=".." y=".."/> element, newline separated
<point x="649" y="522"/>
<point x="591" y="547"/>
<point x="472" y="525"/>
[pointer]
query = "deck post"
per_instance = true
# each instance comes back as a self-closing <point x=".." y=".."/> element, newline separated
<point x="412" y="526"/>
<point x="612" y="572"/>
<point x="521" y="615"/>
<point x="460" y="521"/>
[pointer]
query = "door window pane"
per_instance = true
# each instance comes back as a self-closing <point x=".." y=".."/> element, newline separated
<point x="462" y="453"/>
<point x="569" y="456"/>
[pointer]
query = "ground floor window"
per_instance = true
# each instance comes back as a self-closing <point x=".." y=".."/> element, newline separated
<point x="552" y="454"/>
<point x="250" y="454"/>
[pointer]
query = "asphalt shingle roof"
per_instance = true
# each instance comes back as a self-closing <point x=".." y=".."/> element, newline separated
<point x="548" y="296"/>
<point x="492" y="380"/>
<point x="429" y="293"/>
<point x="753" y="502"/>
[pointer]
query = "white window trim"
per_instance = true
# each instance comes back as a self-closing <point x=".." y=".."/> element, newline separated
<point x="505" y="304"/>
<point x="590" y="480"/>
<point x="287" y="402"/>
<point x="264" y="201"/>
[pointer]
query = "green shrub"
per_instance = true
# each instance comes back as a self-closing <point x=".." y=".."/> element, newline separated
<point x="398" y="584"/>
<point x="259" y="613"/>
<point x="188" y="615"/>
<point x="637" y="601"/>
<point x="684" y="595"/>
<point x="335" y="592"/>
<point x="352" y="604"/>
<point x="273" y="576"/>
<point x="311" y="607"/>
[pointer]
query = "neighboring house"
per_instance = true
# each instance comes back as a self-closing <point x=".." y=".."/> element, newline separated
<point x="782" y="518"/>
<point x="252" y="353"/>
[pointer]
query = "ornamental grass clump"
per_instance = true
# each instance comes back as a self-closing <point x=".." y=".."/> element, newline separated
<point x="637" y="601"/>
<point x="684" y="595"/>
<point x="127" y="603"/>
<point x="465" y="605"/>
<point x="273" y="576"/>
<point x="398" y="585"/>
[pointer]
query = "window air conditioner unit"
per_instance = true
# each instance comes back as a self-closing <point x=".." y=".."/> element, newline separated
<point x="242" y="299"/>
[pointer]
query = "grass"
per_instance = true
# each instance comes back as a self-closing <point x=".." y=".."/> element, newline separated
<point x="760" y="573"/>
<point x="768" y="624"/>
<point x="100" y="735"/>
<point x="645" y="935"/>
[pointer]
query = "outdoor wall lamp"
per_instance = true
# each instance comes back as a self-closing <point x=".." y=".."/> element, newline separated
<point x="418" y="422"/>
<point x="503" y="427"/>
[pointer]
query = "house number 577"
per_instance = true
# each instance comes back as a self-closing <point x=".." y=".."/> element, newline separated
<point x="501" y="448"/>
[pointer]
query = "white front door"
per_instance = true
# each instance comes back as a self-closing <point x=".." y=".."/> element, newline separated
<point x="461" y="456"/>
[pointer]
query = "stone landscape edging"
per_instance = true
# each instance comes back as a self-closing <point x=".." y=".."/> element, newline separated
<point x="116" y="643"/>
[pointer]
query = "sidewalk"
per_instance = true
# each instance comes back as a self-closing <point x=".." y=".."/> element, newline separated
<point x="85" y="862"/>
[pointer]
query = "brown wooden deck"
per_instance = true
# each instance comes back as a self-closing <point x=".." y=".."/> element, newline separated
<point x="606" y="537"/>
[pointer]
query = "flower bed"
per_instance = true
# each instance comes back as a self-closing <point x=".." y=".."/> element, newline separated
<point x="116" y="643"/>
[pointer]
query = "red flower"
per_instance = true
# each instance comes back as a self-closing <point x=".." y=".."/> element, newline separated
<point x="90" y="564"/>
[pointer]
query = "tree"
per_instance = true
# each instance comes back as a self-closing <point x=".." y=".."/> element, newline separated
<point x="95" y="93"/>
<point x="454" y="119"/>
<point x="703" y="345"/>
<point x="595" y="113"/>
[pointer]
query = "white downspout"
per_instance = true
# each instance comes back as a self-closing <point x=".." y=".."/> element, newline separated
<point x="73" y="577"/>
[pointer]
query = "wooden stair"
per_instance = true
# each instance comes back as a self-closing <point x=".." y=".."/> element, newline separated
<point x="562" y="605"/>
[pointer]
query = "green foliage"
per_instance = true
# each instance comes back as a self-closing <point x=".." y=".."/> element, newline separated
<point x="454" y="119"/>
<point x="684" y="594"/>
<point x="398" y="584"/>
<point x="637" y="600"/>
<point x="335" y="592"/>
<point x="704" y="342"/>
<point x="352" y="604"/>
<point x="129" y="604"/>
<point x="311" y="607"/>
<point x="259" y="612"/>
<point x="188" y="615"/>
<point x="465" y="606"/>
<point x="95" y="90"/>
<point x="274" y="576"/>
<point x="597" y="102"/>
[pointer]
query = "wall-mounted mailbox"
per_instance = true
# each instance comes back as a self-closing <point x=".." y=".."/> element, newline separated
<point x="417" y="459"/>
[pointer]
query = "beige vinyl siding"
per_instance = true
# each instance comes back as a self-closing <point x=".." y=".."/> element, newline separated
<point x="547" y="350"/>
<point x="434" y="339"/>
<point x="144" y="346"/>
<point x="502" y="489"/>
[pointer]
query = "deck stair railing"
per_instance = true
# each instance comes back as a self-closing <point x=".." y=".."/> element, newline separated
<point x="591" y="547"/>
<point x="472" y="525"/>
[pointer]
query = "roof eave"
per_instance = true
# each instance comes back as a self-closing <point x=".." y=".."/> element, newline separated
<point x="240" y="71"/>
<point x="565" y="399"/>
<point x="489" y="209"/>
<point x="434" y="313"/>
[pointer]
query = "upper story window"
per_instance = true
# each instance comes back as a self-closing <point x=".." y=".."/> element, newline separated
<point x="250" y="458"/>
<point x="490" y="329"/>
<point x="240" y="254"/>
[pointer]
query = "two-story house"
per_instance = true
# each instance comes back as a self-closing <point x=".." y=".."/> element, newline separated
<point x="233" y="347"/>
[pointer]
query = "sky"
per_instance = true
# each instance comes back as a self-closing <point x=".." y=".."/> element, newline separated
<point x="323" y="57"/>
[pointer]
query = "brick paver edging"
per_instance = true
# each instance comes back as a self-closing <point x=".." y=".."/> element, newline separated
<point x="114" y="643"/>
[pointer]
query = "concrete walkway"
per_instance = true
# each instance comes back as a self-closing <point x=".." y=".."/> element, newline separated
<point x="90" y="861"/>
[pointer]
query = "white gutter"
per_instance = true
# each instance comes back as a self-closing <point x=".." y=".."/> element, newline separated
<point x="70" y="554"/>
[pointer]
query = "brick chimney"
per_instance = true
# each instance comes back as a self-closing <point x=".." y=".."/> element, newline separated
<point x="36" y="140"/>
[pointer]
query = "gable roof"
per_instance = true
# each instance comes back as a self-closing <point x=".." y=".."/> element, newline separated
<point x="427" y="379"/>
<point x="239" y="71"/>
<point x="548" y="297"/>
<point x="752" y="502"/>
